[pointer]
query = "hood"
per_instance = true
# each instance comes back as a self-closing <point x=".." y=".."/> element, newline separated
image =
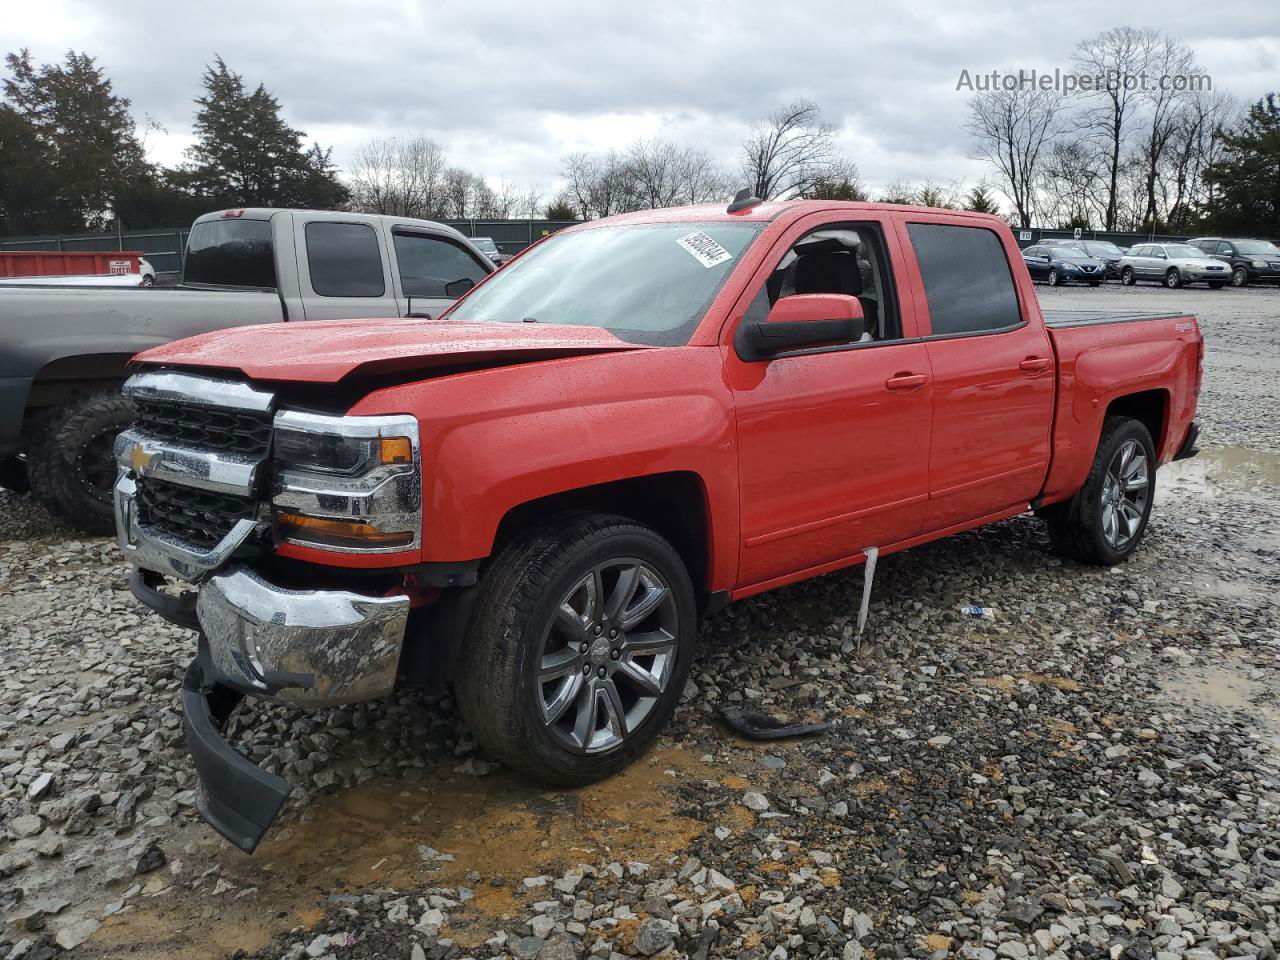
<point x="1080" y="261"/>
<point x="327" y="351"/>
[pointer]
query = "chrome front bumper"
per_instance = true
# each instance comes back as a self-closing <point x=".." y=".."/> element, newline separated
<point x="309" y="647"/>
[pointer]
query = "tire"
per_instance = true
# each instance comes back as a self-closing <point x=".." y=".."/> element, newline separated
<point x="1239" y="277"/>
<point x="1217" y="284"/>
<point x="70" y="464"/>
<point x="147" y="281"/>
<point x="1172" y="278"/>
<point x="535" y="609"/>
<point x="13" y="475"/>
<point x="1053" y="279"/>
<point x="1128" y="277"/>
<point x="1082" y="527"/>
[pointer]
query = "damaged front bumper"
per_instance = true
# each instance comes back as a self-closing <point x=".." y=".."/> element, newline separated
<point x="307" y="647"/>
<point x="312" y="648"/>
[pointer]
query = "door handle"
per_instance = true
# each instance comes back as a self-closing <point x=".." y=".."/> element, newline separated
<point x="906" y="381"/>
<point x="1034" y="364"/>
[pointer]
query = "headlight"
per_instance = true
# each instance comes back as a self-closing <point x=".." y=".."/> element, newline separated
<point x="1259" y="264"/>
<point x="347" y="484"/>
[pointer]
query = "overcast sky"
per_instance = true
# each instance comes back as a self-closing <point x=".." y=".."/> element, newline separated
<point x="510" y="87"/>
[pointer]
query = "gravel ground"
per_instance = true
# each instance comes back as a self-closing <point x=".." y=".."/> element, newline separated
<point x="1091" y="773"/>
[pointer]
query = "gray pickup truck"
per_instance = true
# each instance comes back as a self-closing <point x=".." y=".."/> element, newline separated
<point x="64" y="350"/>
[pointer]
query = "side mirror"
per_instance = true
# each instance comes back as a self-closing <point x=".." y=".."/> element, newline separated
<point x="456" y="288"/>
<point x="804" y="320"/>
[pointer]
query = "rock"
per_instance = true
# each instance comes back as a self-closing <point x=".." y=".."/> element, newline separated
<point x="559" y="948"/>
<point x="319" y="946"/>
<point x="152" y="858"/>
<point x="417" y="953"/>
<point x="754" y="800"/>
<point x="652" y="936"/>
<point x="942" y="740"/>
<point x="526" y="948"/>
<point x="1013" y="949"/>
<point x="68" y="938"/>
<point x="26" y="825"/>
<point x="39" y="786"/>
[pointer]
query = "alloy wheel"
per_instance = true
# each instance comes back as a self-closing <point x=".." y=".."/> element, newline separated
<point x="1125" y="492"/>
<point x="607" y="655"/>
<point x="1239" y="277"/>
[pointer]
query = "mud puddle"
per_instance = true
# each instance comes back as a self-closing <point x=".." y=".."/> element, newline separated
<point x="1227" y="687"/>
<point x="1217" y="471"/>
<point x="497" y="829"/>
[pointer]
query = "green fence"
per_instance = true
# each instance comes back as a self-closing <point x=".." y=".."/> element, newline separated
<point x="1028" y="236"/>
<point x="164" y="247"/>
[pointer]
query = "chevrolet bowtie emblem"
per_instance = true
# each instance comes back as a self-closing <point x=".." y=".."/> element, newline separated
<point x="140" y="458"/>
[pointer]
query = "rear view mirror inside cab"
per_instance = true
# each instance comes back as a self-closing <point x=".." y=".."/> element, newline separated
<point x="798" y="321"/>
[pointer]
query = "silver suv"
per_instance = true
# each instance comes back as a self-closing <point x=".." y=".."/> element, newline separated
<point x="1172" y="264"/>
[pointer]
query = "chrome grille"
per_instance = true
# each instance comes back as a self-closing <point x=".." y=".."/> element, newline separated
<point x="223" y="429"/>
<point x="200" y="517"/>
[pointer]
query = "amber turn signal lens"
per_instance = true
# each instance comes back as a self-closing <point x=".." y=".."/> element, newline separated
<point x="338" y="533"/>
<point x="396" y="450"/>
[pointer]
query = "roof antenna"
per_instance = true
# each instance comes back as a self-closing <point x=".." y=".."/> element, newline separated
<point x="743" y="200"/>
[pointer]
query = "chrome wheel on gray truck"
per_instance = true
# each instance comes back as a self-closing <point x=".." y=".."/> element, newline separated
<point x="578" y="649"/>
<point x="1104" y="523"/>
<point x="70" y="463"/>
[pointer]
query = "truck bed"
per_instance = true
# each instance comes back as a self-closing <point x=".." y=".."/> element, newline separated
<point x="1082" y="318"/>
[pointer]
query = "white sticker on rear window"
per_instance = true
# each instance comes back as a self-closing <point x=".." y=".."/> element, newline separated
<point x="703" y="249"/>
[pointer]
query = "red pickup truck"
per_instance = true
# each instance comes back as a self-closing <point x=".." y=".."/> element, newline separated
<point x="534" y="496"/>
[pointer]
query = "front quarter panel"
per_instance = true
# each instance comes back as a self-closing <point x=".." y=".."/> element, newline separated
<point x="495" y="439"/>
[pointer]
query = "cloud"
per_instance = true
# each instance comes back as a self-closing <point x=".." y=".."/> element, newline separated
<point x="509" y="86"/>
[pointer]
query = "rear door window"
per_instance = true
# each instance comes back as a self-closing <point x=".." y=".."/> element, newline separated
<point x="230" y="253"/>
<point x="344" y="260"/>
<point x="432" y="266"/>
<point x="967" y="280"/>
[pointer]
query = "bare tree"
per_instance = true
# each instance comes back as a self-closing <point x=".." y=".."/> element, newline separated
<point x="1119" y="56"/>
<point x="785" y="153"/>
<point x="1166" y="103"/>
<point x="1072" y="186"/>
<point x="397" y="176"/>
<point x="1196" y="144"/>
<point x="601" y="185"/>
<point x="1014" y="130"/>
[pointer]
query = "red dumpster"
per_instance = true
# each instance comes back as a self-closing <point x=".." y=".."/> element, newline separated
<point x="60" y="263"/>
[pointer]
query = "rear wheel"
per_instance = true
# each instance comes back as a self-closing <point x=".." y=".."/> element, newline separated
<point x="579" y="649"/>
<point x="1105" y="521"/>
<point x="1128" y="277"/>
<point x="1173" y="279"/>
<point x="1239" y="277"/>
<point x="71" y="465"/>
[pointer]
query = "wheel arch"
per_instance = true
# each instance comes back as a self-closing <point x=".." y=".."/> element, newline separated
<point x="674" y="504"/>
<point x="1148" y="407"/>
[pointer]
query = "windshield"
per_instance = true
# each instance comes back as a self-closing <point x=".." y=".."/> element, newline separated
<point x="1067" y="253"/>
<point x="1103" y="248"/>
<point x="645" y="283"/>
<point x="1257" y="246"/>
<point x="1183" y="250"/>
<point x="485" y="244"/>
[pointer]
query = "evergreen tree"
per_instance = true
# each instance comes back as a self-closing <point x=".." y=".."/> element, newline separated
<point x="1246" y="180"/>
<point x="247" y="155"/>
<point x="67" y="146"/>
<point x="980" y="200"/>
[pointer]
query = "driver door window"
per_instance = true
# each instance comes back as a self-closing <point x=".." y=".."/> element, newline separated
<point x="434" y="271"/>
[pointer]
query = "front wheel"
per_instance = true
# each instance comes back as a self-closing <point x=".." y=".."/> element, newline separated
<point x="1173" y="279"/>
<point x="1128" y="277"/>
<point x="70" y="464"/>
<point x="579" y="649"/>
<point x="1105" y="521"/>
<point x="1053" y="278"/>
<point x="1239" y="277"/>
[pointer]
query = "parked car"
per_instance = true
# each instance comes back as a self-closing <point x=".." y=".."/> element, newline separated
<point x="146" y="273"/>
<point x="1057" y="263"/>
<point x="534" y="497"/>
<point x="1249" y="260"/>
<point x="1173" y="264"/>
<point x="64" y="350"/>
<point x="489" y="249"/>
<point x="1103" y="250"/>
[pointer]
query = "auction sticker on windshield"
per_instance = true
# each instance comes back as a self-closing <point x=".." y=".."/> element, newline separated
<point x="703" y="249"/>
